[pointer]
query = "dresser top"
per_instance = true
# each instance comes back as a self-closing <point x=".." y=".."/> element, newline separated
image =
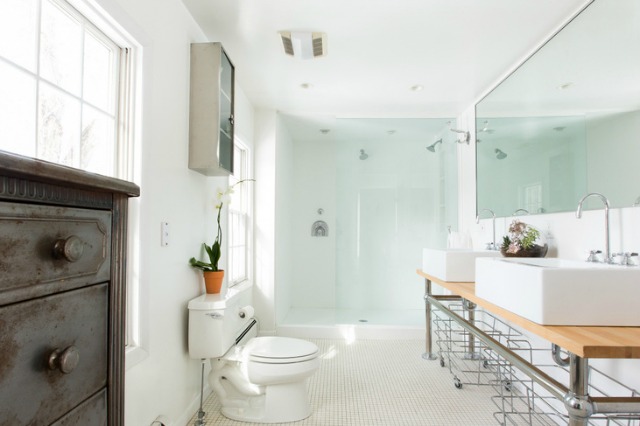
<point x="13" y="165"/>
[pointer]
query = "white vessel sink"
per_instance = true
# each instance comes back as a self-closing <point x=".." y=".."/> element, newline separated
<point x="456" y="265"/>
<point x="561" y="292"/>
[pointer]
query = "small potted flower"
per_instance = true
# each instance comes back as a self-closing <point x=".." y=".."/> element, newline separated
<point x="213" y="276"/>
<point x="523" y="241"/>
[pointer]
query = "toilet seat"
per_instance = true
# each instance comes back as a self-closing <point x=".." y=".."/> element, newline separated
<point x="280" y="350"/>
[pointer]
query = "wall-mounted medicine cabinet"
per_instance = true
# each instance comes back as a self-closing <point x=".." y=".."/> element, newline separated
<point x="211" y="106"/>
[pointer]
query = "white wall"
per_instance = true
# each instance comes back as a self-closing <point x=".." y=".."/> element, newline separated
<point x="265" y="218"/>
<point x="273" y="221"/>
<point x="162" y="379"/>
<point x="285" y="202"/>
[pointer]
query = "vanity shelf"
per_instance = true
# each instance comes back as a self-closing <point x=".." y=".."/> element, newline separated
<point x="483" y="345"/>
<point x="519" y="399"/>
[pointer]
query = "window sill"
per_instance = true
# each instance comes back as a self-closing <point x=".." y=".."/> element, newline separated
<point x="134" y="355"/>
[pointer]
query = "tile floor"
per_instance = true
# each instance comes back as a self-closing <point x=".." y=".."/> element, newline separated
<point x="386" y="383"/>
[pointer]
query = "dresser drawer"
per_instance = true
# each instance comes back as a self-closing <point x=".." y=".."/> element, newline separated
<point x="92" y="412"/>
<point x="45" y="249"/>
<point x="54" y="355"/>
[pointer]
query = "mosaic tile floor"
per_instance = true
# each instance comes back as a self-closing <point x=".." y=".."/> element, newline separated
<point x="382" y="382"/>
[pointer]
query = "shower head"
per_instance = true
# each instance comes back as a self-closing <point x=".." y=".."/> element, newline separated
<point x="432" y="147"/>
<point x="500" y="155"/>
<point x="363" y="155"/>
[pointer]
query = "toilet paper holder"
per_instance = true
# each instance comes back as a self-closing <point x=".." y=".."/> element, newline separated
<point x="246" y="312"/>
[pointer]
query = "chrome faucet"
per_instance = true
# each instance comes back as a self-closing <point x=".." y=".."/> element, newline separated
<point x="636" y="202"/>
<point x="515" y="213"/>
<point x="607" y="253"/>
<point x="493" y="245"/>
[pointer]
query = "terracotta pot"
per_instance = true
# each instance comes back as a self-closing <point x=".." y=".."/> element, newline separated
<point x="213" y="281"/>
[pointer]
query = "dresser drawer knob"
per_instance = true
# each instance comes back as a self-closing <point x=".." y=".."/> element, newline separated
<point x="64" y="360"/>
<point x="70" y="248"/>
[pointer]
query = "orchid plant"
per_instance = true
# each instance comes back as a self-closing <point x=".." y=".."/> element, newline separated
<point x="521" y="237"/>
<point x="214" y="251"/>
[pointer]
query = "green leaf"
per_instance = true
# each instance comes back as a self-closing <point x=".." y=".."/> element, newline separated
<point x="506" y="242"/>
<point x="214" y="252"/>
<point x="530" y="238"/>
<point x="200" y="265"/>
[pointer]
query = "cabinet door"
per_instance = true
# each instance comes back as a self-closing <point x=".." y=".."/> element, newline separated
<point x="211" y="110"/>
<point x="226" y="113"/>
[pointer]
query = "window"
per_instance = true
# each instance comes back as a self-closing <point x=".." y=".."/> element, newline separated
<point x="60" y="86"/>
<point x="239" y="218"/>
<point x="68" y="95"/>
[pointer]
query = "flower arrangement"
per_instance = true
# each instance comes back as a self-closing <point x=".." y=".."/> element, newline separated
<point x="214" y="250"/>
<point x="522" y="241"/>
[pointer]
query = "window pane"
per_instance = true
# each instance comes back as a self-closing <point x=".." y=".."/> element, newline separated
<point x="59" y="126"/>
<point x="97" y="143"/>
<point x="18" y="20"/>
<point x="99" y="87"/>
<point x="17" y="111"/>
<point x="60" y="48"/>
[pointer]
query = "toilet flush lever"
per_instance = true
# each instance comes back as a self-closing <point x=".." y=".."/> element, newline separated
<point x="215" y="315"/>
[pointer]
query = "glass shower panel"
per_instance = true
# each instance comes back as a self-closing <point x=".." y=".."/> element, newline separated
<point x="391" y="203"/>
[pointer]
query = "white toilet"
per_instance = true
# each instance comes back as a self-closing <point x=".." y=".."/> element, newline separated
<point x="257" y="379"/>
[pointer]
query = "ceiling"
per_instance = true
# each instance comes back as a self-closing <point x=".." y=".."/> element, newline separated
<point x="378" y="50"/>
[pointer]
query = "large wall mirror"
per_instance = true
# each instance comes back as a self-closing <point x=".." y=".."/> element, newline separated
<point x="566" y="122"/>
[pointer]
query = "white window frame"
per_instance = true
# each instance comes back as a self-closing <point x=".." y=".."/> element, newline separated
<point x="106" y="20"/>
<point x="119" y="155"/>
<point x="242" y="212"/>
<point x="109" y="18"/>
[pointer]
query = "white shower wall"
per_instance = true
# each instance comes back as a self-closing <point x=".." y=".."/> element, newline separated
<point x="314" y="261"/>
<point x="380" y="212"/>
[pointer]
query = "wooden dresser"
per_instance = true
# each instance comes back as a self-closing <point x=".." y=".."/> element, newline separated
<point x="62" y="294"/>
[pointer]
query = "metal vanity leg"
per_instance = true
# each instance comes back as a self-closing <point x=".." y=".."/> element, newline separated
<point x="470" y="307"/>
<point x="577" y="401"/>
<point x="429" y="354"/>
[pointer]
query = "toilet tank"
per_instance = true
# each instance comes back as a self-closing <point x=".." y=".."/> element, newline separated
<point x="215" y="321"/>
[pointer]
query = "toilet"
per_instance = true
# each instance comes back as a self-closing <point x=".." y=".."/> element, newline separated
<point x="257" y="379"/>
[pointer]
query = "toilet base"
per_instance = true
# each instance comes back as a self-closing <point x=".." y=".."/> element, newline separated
<point x="282" y="403"/>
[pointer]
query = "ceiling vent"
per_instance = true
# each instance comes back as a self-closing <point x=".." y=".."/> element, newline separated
<point x="304" y="45"/>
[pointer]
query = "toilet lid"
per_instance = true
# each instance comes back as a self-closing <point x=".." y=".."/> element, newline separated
<point x="280" y="350"/>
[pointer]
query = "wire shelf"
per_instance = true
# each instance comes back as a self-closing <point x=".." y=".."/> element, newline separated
<point x="519" y="399"/>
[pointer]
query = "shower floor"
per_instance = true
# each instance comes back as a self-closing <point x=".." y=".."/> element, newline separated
<point x="353" y="323"/>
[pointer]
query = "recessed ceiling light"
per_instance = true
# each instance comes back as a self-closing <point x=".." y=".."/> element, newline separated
<point x="306" y="85"/>
<point x="417" y="88"/>
<point x="565" y="86"/>
<point x="325" y="131"/>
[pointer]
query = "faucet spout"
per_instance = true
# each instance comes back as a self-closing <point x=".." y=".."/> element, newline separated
<point x="494" y="246"/>
<point x="605" y="201"/>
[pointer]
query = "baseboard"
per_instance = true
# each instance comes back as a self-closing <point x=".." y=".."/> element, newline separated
<point x="192" y="409"/>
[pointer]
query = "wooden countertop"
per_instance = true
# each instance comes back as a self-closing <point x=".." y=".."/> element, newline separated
<point x="587" y="342"/>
